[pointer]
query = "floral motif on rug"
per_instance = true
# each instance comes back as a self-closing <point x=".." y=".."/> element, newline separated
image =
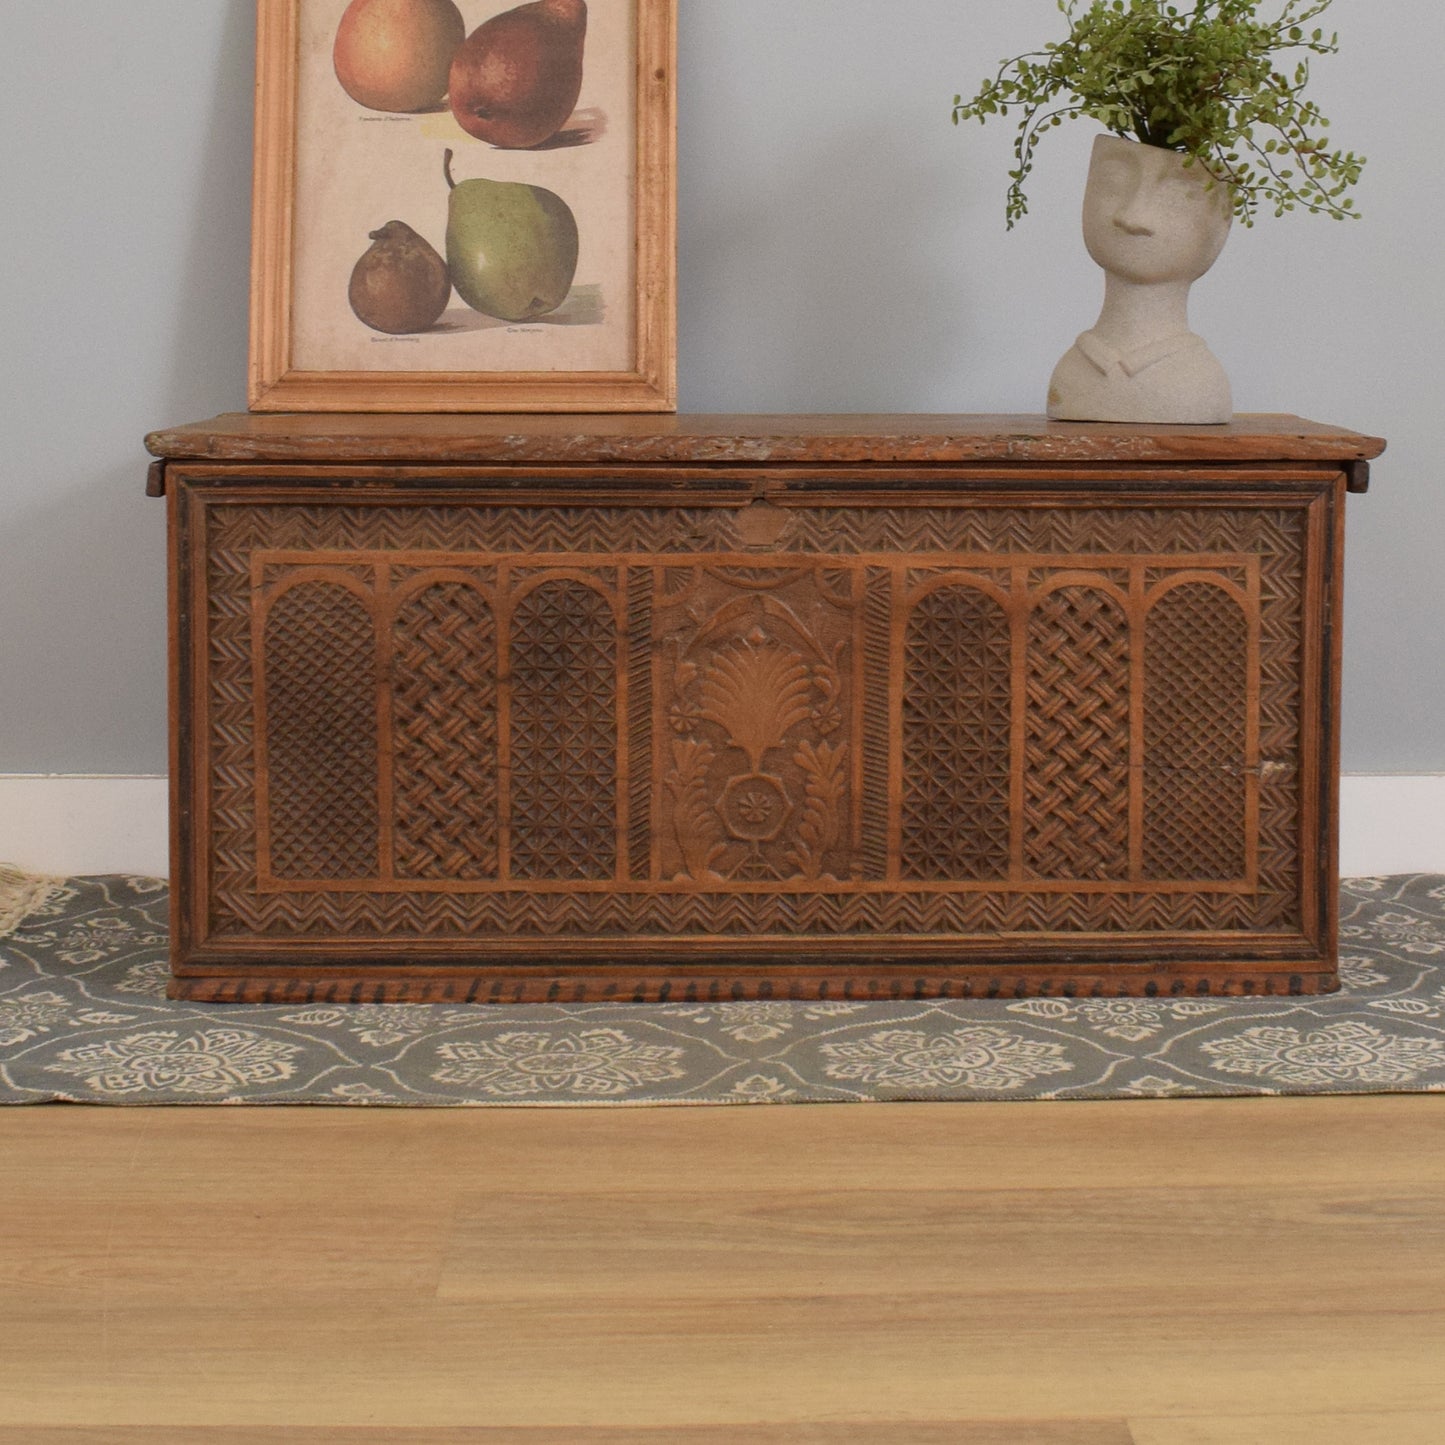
<point x="84" y="1018"/>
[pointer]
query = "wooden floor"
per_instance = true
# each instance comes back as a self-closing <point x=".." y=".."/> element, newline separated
<point x="1173" y="1273"/>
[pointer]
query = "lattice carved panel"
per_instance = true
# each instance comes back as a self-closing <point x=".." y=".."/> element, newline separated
<point x="563" y="658"/>
<point x="1197" y="753"/>
<point x="321" y="733"/>
<point x="444" y="733"/>
<point x="957" y="737"/>
<point x="1076" y="769"/>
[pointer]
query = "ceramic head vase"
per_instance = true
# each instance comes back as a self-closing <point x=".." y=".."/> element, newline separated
<point x="1156" y="226"/>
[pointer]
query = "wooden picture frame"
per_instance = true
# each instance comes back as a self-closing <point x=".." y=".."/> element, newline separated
<point x="609" y="347"/>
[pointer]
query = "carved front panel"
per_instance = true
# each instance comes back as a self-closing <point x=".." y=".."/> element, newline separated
<point x="756" y="673"/>
<point x="960" y="721"/>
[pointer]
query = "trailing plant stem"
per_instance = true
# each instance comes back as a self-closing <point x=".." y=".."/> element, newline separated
<point x="1203" y="82"/>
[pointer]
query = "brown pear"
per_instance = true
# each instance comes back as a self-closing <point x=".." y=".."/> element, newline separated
<point x="516" y="79"/>
<point x="401" y="285"/>
<point x="396" y="55"/>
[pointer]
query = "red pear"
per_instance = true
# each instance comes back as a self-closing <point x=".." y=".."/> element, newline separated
<point x="516" y="79"/>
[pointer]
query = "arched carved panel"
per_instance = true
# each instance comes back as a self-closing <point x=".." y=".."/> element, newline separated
<point x="564" y="734"/>
<point x="1076" y="777"/>
<point x="1195" y="735"/>
<point x="444" y="712"/>
<point x="957" y="711"/>
<point x="320" y="667"/>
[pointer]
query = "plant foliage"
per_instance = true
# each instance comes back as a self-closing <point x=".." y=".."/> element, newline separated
<point x="1202" y="80"/>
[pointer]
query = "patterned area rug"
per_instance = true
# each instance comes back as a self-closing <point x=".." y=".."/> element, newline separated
<point x="84" y="1018"/>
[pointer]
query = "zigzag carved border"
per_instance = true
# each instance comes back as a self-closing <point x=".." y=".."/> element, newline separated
<point x="235" y="533"/>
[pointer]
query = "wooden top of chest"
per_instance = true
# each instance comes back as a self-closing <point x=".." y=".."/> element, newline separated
<point x="843" y="439"/>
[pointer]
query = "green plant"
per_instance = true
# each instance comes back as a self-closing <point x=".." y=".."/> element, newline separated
<point x="1201" y="80"/>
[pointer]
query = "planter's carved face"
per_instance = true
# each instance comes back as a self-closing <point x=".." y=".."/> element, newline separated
<point x="1150" y="219"/>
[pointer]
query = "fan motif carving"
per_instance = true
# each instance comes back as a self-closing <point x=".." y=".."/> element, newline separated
<point x="775" y="811"/>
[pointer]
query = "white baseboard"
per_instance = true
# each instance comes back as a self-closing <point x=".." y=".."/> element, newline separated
<point x="1392" y="823"/>
<point x="1389" y="823"/>
<point x="68" y="824"/>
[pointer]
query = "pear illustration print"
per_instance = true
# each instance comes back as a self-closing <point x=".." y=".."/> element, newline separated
<point x="516" y="79"/>
<point x="511" y="247"/>
<point x="396" y="55"/>
<point x="400" y="286"/>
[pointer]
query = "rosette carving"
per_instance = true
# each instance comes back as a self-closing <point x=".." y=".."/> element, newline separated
<point x="757" y="771"/>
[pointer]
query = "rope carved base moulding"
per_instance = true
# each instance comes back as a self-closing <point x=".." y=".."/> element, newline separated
<point x="595" y="708"/>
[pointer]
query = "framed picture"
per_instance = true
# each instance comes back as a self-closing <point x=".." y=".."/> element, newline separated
<point x="462" y="205"/>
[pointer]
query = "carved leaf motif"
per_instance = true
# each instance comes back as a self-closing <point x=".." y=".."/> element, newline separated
<point x="821" y="828"/>
<point x="694" y="821"/>
<point x="757" y="694"/>
<point x="828" y="716"/>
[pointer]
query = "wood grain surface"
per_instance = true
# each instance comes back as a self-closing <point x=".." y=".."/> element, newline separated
<point x="1393" y="1428"/>
<point x="958" y="1432"/>
<point x="825" y="438"/>
<point x="1161" y="1273"/>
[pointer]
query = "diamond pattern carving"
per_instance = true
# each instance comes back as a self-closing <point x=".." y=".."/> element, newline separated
<point x="1195" y="734"/>
<point x="321" y="734"/>
<point x="957" y="707"/>
<point x="564" y="734"/>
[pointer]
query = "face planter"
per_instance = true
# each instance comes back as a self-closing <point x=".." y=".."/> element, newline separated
<point x="1155" y="225"/>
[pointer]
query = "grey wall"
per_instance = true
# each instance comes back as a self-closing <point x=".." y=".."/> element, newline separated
<point x="841" y="249"/>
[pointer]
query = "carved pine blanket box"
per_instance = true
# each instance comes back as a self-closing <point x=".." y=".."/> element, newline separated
<point x="587" y="708"/>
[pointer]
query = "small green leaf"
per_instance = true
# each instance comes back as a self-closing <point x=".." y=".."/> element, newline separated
<point x="1200" y="79"/>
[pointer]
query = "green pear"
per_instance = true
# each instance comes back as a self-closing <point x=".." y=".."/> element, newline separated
<point x="511" y="247"/>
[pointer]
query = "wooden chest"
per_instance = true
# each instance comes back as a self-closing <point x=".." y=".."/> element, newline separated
<point x="588" y="708"/>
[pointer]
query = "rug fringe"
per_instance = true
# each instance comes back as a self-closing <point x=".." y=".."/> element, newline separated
<point x="21" y="894"/>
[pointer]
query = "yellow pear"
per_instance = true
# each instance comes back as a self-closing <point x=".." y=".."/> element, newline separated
<point x="396" y="55"/>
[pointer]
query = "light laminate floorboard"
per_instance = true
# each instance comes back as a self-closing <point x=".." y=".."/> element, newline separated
<point x="1207" y="1272"/>
<point x="987" y="1432"/>
<point x="1390" y="1428"/>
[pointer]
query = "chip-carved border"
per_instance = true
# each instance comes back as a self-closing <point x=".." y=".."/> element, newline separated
<point x="1276" y="535"/>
